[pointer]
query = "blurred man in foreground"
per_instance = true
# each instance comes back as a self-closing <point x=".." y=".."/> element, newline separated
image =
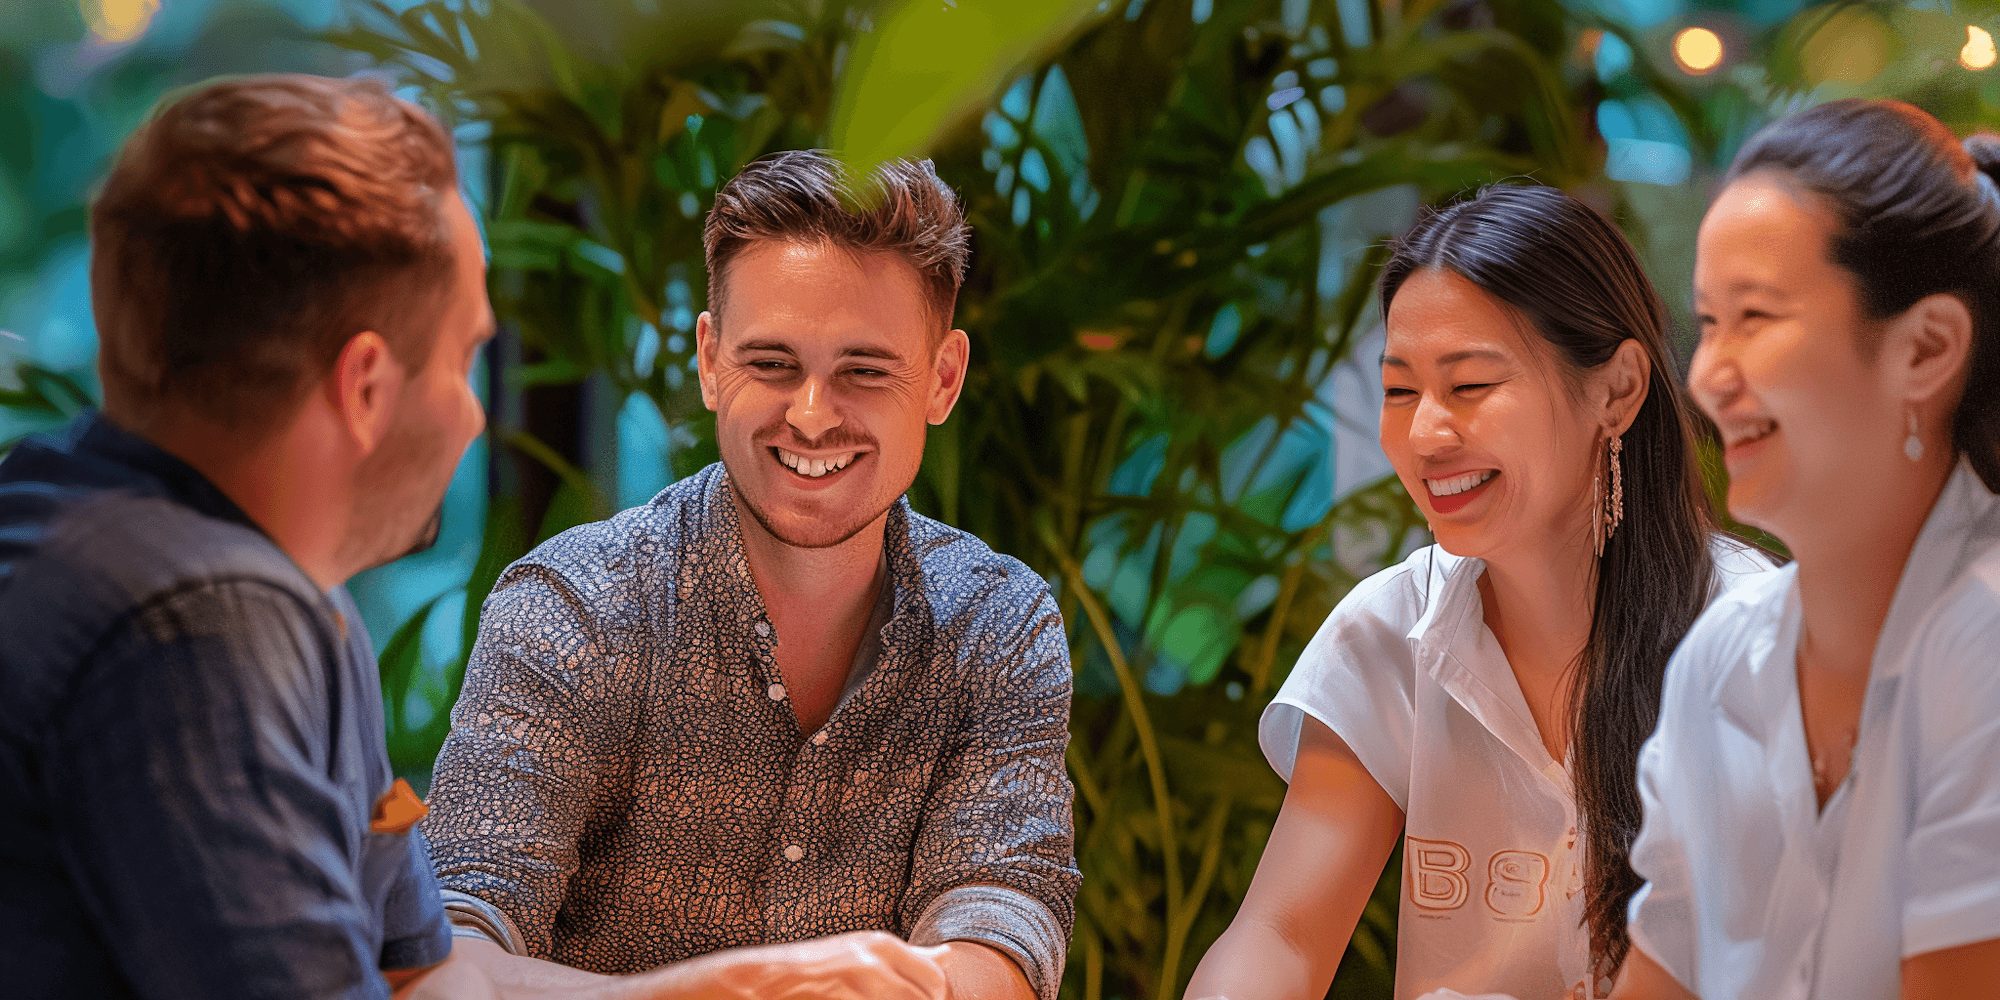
<point x="195" y="798"/>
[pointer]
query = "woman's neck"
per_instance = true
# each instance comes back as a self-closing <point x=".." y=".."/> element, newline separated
<point x="1848" y="578"/>
<point x="1538" y="605"/>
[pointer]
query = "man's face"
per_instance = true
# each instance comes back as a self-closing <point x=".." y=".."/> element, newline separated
<point x="823" y="375"/>
<point x="400" y="509"/>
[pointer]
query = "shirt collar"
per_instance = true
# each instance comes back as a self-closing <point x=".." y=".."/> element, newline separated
<point x="95" y="452"/>
<point x="1752" y="681"/>
<point x="1937" y="558"/>
<point x="1451" y="641"/>
<point x="739" y="588"/>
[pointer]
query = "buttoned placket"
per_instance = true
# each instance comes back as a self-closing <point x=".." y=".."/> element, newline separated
<point x="786" y="835"/>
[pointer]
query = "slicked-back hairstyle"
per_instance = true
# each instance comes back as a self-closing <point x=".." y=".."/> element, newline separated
<point x="1569" y="272"/>
<point x="808" y="196"/>
<point x="251" y="228"/>
<point x="1919" y="215"/>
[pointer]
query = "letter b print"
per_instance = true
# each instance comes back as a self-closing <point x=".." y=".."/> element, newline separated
<point x="1436" y="873"/>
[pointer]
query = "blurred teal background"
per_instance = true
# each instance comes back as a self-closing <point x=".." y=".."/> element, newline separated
<point x="1177" y="208"/>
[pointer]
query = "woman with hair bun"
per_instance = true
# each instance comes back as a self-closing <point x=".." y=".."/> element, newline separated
<point x="1485" y="700"/>
<point x="1822" y="796"/>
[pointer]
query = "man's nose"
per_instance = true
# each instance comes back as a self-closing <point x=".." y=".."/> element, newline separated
<point x="812" y="412"/>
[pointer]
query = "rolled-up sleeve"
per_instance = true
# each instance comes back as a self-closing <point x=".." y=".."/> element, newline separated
<point x="189" y="774"/>
<point x="536" y="728"/>
<point x="995" y="856"/>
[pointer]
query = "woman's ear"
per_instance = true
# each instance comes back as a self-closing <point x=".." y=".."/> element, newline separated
<point x="1623" y="382"/>
<point x="1925" y="349"/>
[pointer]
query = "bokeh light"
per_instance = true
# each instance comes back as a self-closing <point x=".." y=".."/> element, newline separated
<point x="1978" y="52"/>
<point x="114" y="22"/>
<point x="1698" y="50"/>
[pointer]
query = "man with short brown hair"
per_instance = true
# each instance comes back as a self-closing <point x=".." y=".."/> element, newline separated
<point x="775" y="703"/>
<point x="195" y="798"/>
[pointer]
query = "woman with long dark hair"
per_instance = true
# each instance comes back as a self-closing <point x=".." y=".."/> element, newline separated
<point x="1823" y="795"/>
<point x="1487" y="697"/>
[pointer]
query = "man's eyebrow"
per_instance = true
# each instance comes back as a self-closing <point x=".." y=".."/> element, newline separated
<point x="1452" y="358"/>
<point x="870" y="351"/>
<point x="778" y="346"/>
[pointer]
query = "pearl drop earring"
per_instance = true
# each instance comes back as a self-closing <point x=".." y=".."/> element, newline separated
<point x="1913" y="446"/>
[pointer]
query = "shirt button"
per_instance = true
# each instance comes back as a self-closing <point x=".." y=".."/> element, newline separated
<point x="819" y="738"/>
<point x="777" y="692"/>
<point x="764" y="629"/>
<point x="794" y="852"/>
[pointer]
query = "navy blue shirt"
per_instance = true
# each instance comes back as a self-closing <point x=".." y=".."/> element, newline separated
<point x="191" y="743"/>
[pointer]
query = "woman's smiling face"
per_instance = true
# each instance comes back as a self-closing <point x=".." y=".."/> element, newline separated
<point x="1479" y="423"/>
<point x="1779" y="368"/>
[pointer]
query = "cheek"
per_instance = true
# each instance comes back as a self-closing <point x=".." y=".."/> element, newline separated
<point x="1810" y="387"/>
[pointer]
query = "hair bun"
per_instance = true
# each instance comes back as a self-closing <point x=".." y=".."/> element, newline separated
<point x="1984" y="148"/>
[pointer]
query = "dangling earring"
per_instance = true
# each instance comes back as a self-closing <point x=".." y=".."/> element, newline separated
<point x="1617" y="490"/>
<point x="1913" y="446"/>
<point x="1607" y="512"/>
<point x="1597" y="513"/>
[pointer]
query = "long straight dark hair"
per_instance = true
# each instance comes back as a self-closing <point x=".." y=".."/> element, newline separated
<point x="1571" y="274"/>
<point x="1917" y="218"/>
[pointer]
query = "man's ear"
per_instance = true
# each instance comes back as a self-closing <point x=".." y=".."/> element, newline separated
<point x="948" y="375"/>
<point x="1926" y="348"/>
<point x="706" y="343"/>
<point x="363" y="388"/>
<point x="1624" y="381"/>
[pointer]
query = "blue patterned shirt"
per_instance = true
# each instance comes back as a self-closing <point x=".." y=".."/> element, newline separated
<point x="626" y="784"/>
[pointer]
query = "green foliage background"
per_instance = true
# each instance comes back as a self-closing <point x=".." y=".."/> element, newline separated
<point x="1177" y="206"/>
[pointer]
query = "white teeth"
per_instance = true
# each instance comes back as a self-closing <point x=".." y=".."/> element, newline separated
<point x="1458" y="484"/>
<point x="1756" y="433"/>
<point x="813" y="468"/>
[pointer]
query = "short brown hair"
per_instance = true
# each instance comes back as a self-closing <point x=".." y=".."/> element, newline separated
<point x="807" y="196"/>
<point x="252" y="227"/>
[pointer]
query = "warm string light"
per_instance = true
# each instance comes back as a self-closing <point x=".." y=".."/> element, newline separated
<point x="1978" y="52"/>
<point x="115" y="22"/>
<point x="1698" y="50"/>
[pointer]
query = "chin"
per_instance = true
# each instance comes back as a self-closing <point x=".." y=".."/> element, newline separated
<point x="1465" y="542"/>
<point x="811" y="521"/>
<point x="1755" y="502"/>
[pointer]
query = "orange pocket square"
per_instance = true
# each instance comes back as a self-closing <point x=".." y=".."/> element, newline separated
<point x="397" y="810"/>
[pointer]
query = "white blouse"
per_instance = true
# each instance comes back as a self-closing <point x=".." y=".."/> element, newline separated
<point x="1754" y="892"/>
<point x="1406" y="672"/>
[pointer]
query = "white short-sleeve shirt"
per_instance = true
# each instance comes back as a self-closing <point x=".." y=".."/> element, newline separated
<point x="1406" y="672"/>
<point x="1752" y="890"/>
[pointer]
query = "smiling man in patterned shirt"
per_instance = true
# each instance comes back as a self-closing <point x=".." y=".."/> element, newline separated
<point x="775" y="703"/>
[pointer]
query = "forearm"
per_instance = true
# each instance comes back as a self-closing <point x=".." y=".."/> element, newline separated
<point x="1971" y="970"/>
<point x="512" y="972"/>
<point x="973" y="971"/>
<point x="1251" y="961"/>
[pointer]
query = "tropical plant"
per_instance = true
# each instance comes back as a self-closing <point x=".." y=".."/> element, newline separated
<point x="1177" y="210"/>
<point x="1176" y="214"/>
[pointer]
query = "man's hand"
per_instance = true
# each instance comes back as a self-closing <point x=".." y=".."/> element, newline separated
<point x="862" y="965"/>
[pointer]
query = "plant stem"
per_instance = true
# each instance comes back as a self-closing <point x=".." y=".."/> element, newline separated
<point x="1149" y="746"/>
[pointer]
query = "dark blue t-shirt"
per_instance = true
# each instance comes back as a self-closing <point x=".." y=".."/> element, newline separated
<point x="191" y="743"/>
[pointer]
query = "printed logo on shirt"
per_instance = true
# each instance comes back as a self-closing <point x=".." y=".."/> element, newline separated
<point x="1435" y="871"/>
<point x="1436" y="874"/>
<point x="1516" y="882"/>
